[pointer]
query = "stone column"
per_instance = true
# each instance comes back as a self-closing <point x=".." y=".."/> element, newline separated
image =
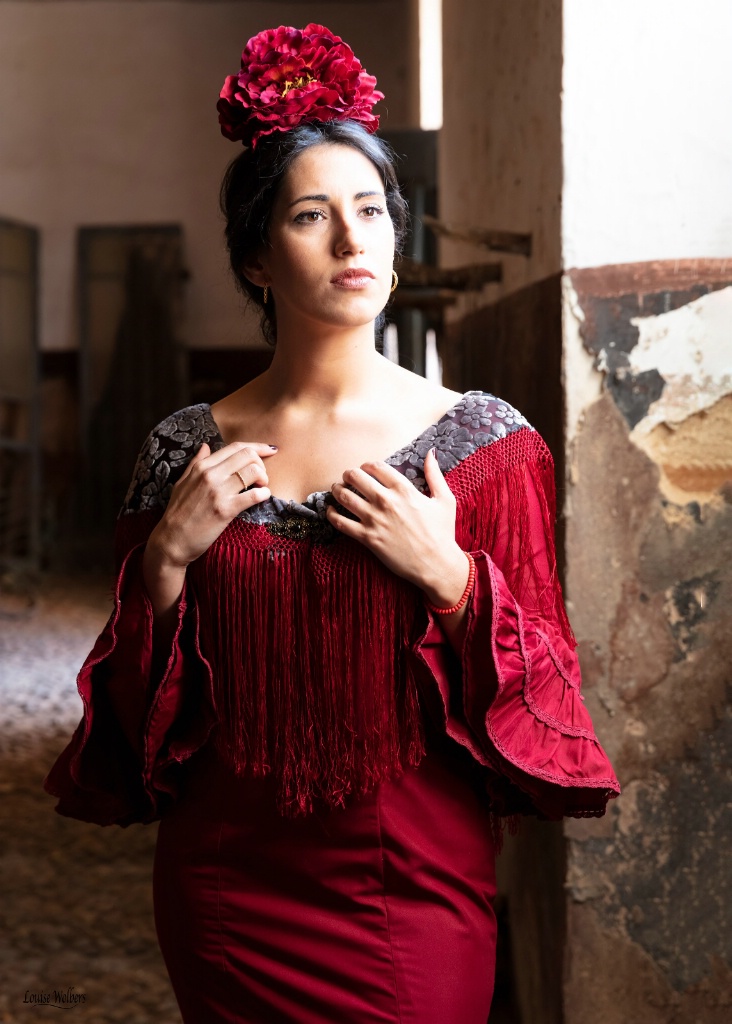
<point x="647" y="351"/>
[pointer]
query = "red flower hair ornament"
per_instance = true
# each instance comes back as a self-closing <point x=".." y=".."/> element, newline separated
<point x="292" y="76"/>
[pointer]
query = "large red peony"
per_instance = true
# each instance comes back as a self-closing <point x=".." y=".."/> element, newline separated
<point x="290" y="76"/>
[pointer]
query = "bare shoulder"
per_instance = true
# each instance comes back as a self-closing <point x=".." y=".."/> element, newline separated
<point x="240" y="411"/>
<point x="424" y="396"/>
<point x="439" y="400"/>
<point x="447" y="395"/>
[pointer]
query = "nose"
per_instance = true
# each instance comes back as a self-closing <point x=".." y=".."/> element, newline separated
<point x="349" y="240"/>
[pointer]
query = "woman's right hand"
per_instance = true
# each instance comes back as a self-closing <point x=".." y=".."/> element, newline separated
<point x="203" y="502"/>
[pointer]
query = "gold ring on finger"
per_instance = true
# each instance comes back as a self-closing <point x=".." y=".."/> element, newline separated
<point x="243" y="481"/>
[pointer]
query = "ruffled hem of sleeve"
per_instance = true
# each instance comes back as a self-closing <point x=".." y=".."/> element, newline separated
<point x="122" y="763"/>
<point x="513" y="700"/>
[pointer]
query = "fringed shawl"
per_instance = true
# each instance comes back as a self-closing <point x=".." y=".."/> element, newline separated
<point x="308" y="635"/>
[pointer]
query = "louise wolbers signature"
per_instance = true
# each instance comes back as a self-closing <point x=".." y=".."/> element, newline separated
<point x="60" y="1000"/>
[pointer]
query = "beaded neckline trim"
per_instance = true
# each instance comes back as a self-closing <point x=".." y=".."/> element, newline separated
<point x="477" y="419"/>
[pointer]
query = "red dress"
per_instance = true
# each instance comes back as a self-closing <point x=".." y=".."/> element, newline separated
<point x="328" y="773"/>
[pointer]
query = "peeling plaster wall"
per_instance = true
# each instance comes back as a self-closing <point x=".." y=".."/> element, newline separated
<point x="648" y="370"/>
<point x="108" y="116"/>
<point x="687" y="429"/>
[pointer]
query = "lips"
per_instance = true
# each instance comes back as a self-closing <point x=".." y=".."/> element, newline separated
<point x="354" y="277"/>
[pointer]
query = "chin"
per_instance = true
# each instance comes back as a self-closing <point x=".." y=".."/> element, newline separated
<point x="355" y="313"/>
<point x="362" y="308"/>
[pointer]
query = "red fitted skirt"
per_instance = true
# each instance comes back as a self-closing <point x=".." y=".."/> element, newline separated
<point x="377" y="913"/>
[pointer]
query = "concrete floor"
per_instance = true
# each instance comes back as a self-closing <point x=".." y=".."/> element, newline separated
<point x="76" y="908"/>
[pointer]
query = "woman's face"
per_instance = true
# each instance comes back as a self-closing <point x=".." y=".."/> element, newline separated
<point x="331" y="246"/>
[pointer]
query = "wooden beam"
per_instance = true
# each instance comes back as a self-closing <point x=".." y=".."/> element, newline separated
<point x="496" y="241"/>
<point x="428" y="299"/>
<point x="470" y="278"/>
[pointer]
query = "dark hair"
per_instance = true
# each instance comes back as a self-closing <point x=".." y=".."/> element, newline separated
<point x="253" y="179"/>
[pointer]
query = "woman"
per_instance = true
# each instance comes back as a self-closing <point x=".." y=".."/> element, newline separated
<point x="330" y="674"/>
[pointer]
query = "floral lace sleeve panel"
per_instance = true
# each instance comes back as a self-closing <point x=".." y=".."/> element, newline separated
<point x="168" y="449"/>
<point x="477" y="419"/>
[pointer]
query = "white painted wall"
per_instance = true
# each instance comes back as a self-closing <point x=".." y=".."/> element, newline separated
<point x="108" y="116"/>
<point x="647" y="131"/>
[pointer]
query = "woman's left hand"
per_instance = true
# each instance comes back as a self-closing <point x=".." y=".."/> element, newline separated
<point x="412" y="533"/>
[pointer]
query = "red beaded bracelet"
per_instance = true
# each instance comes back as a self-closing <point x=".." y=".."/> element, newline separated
<point x="463" y="599"/>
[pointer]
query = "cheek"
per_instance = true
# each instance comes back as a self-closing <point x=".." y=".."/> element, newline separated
<point x="301" y="263"/>
<point x="296" y="260"/>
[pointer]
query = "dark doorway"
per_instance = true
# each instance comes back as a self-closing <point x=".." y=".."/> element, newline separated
<point x="19" y="389"/>
<point x="132" y="364"/>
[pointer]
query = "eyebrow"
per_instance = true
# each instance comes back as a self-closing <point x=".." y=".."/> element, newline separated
<point x="325" y="199"/>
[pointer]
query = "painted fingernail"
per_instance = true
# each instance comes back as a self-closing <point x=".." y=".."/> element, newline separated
<point x="274" y="447"/>
<point x="434" y="452"/>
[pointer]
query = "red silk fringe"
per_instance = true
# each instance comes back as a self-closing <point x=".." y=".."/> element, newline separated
<point x="506" y="496"/>
<point x="309" y="663"/>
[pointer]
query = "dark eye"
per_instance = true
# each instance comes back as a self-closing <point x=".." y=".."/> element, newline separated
<point x="371" y="211"/>
<point x="309" y="216"/>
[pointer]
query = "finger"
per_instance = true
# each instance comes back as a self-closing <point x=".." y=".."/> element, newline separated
<point x="246" y="474"/>
<point x="200" y="455"/>
<point x="433" y="475"/>
<point x="372" y="477"/>
<point x="246" y="498"/>
<point x="239" y="458"/>
<point x="344" y="525"/>
<point x="356" y="503"/>
<point x="257" y="448"/>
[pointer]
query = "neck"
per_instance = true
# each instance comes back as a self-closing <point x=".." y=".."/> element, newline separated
<point x="317" y="368"/>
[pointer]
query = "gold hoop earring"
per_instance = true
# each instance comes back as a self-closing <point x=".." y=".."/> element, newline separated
<point x="266" y="294"/>
<point x="395" y="278"/>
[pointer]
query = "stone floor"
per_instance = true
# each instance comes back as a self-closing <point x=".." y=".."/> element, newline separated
<point x="76" y="913"/>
